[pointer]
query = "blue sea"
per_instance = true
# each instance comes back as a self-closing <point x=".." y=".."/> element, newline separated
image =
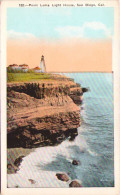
<point x="93" y="147"/>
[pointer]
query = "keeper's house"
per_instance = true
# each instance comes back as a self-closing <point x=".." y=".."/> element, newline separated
<point x="37" y="69"/>
<point x="14" y="66"/>
<point x="23" y="67"/>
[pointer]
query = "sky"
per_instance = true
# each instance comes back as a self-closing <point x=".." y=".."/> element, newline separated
<point x="58" y="29"/>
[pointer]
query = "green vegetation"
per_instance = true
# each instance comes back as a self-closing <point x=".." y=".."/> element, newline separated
<point x="10" y="70"/>
<point x="24" y="77"/>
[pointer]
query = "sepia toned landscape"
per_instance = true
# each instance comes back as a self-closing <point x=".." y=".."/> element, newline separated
<point x="60" y="119"/>
<point x="75" y="51"/>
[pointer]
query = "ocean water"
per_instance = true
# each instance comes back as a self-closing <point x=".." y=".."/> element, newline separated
<point x="93" y="147"/>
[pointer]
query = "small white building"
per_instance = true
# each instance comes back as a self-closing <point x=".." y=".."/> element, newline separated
<point x="42" y="64"/>
<point x="24" y="67"/>
<point x="37" y="69"/>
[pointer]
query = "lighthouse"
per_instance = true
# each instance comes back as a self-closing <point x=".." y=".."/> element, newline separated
<point x="42" y="64"/>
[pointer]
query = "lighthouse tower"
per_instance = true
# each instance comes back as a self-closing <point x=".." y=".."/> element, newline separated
<point x="42" y="64"/>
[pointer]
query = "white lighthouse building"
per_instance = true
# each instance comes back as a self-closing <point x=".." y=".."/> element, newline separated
<point x="42" y="64"/>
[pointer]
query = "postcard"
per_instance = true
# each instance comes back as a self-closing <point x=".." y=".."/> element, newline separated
<point x="60" y="97"/>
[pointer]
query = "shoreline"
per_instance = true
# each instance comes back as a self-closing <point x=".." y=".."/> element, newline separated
<point x="51" y="112"/>
<point x="86" y="149"/>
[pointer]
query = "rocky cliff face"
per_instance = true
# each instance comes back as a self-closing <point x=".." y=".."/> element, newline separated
<point x="42" y="113"/>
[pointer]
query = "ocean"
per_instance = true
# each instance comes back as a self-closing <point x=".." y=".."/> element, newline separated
<point x="93" y="147"/>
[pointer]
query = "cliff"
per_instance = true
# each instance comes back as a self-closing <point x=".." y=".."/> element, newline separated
<point x="42" y="112"/>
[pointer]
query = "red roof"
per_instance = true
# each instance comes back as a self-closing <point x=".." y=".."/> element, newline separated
<point x="37" y="68"/>
<point x="24" y="68"/>
<point x="23" y="65"/>
<point x="13" y="65"/>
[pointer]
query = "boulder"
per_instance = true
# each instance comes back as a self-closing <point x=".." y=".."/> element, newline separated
<point x="62" y="177"/>
<point x="75" y="184"/>
<point x="16" y="186"/>
<point x="75" y="162"/>
<point x="32" y="181"/>
<point x="18" y="161"/>
<point x="85" y="89"/>
<point x="11" y="168"/>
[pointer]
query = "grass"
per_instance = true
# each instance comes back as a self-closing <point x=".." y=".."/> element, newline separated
<point x="24" y="77"/>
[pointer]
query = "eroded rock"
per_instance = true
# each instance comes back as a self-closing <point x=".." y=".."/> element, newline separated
<point x="62" y="177"/>
<point x="75" y="162"/>
<point x="85" y="89"/>
<point x="75" y="184"/>
<point x="11" y="168"/>
<point x="18" y="161"/>
<point x="42" y="113"/>
<point x="32" y="181"/>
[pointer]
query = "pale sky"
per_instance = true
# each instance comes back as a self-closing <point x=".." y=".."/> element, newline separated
<point x="71" y="39"/>
<point x="61" y="22"/>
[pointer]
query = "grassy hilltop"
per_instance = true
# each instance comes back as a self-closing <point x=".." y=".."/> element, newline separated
<point x="26" y="77"/>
